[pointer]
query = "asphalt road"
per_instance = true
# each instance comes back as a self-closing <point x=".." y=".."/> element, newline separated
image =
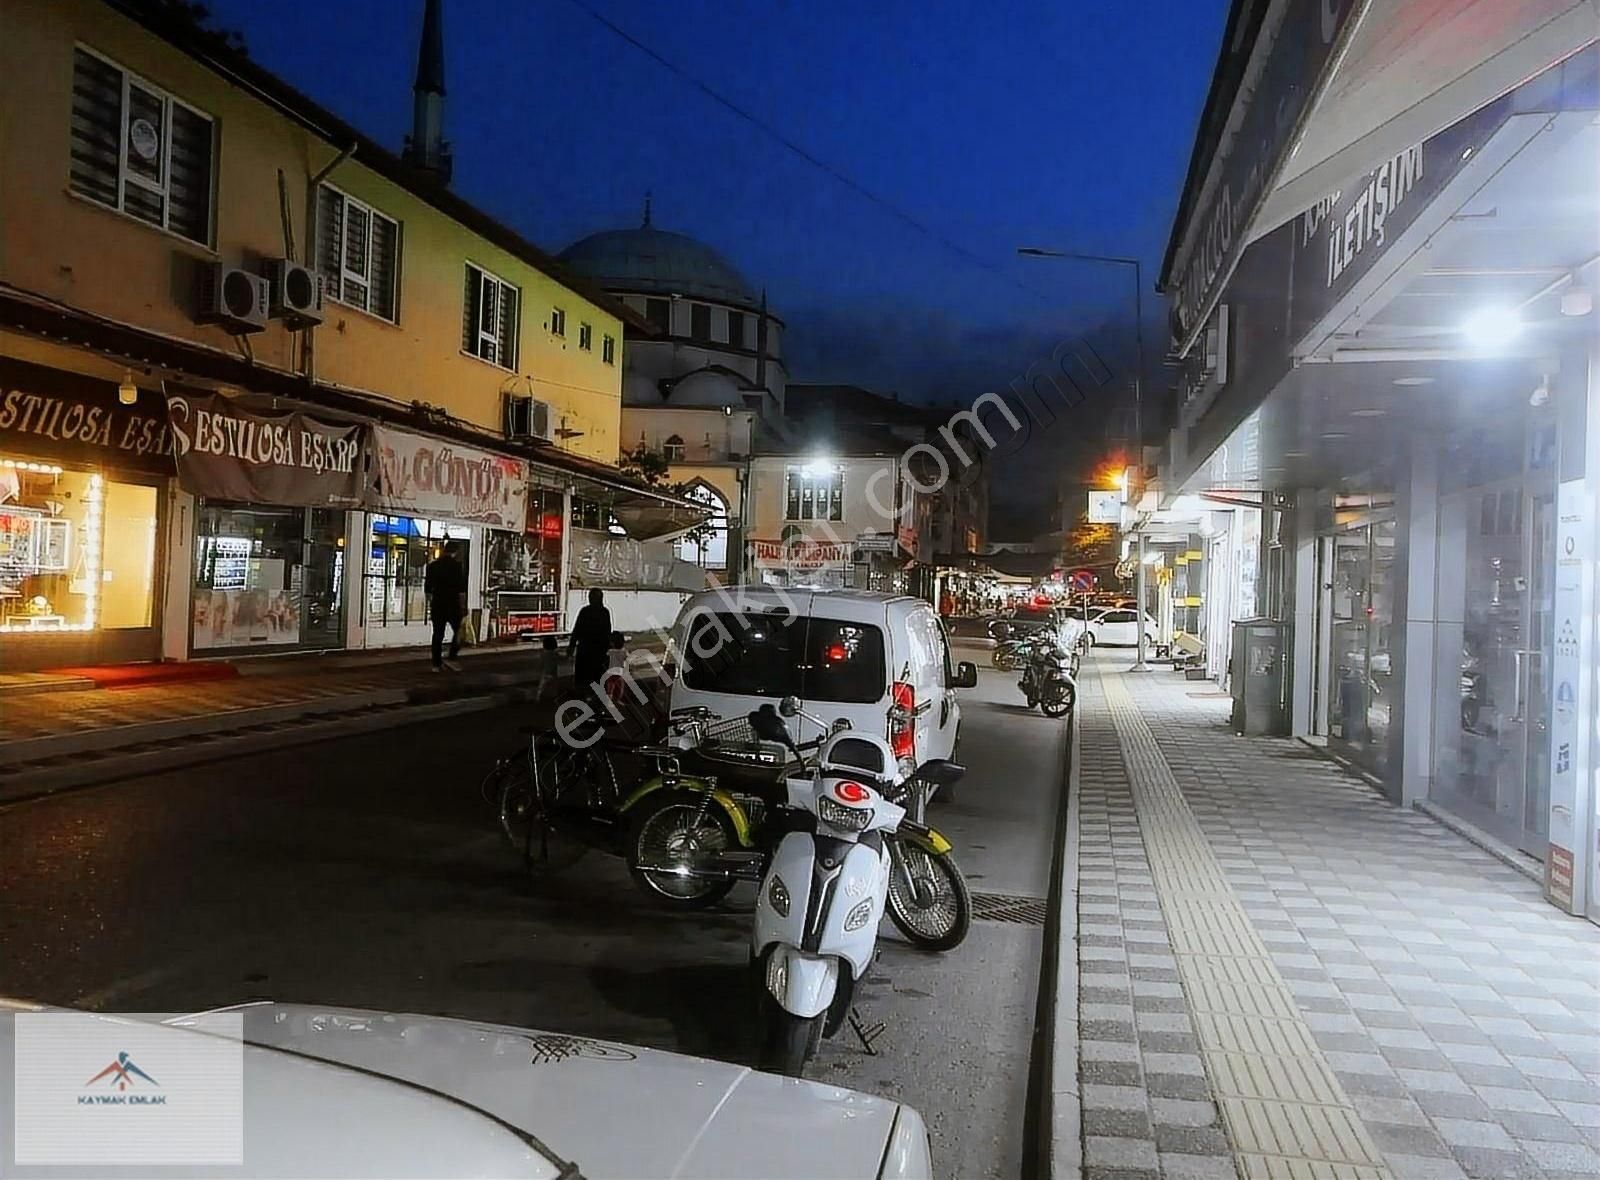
<point x="367" y="872"/>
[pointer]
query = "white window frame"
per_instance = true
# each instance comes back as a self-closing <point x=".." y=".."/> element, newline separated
<point x="558" y="322"/>
<point x="608" y="349"/>
<point x="586" y="336"/>
<point x="485" y="275"/>
<point x="364" y="281"/>
<point x="126" y="177"/>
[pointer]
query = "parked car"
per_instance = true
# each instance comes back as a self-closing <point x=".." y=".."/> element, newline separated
<point x="880" y="661"/>
<point x="347" y="1092"/>
<point x="1120" y="628"/>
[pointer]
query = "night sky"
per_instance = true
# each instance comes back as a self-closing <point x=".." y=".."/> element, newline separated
<point x="1062" y="123"/>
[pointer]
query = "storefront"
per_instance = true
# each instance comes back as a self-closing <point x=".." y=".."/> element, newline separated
<point x="522" y="570"/>
<point x="428" y="492"/>
<point x="1355" y="666"/>
<point x="798" y="561"/>
<point x="83" y="493"/>
<point x="273" y="486"/>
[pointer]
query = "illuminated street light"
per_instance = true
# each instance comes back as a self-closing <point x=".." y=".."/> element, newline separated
<point x="1492" y="328"/>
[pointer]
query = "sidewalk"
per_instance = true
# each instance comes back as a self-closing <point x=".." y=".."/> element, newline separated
<point x="1282" y="974"/>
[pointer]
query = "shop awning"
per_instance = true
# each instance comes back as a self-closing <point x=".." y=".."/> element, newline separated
<point x="1324" y="93"/>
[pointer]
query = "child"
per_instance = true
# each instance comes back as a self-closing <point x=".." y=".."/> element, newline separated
<point x="616" y="677"/>
<point x="549" y="667"/>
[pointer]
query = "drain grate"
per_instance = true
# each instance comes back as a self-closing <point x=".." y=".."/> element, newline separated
<point x="1009" y="907"/>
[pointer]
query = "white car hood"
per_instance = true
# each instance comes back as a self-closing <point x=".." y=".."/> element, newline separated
<point x="616" y="1111"/>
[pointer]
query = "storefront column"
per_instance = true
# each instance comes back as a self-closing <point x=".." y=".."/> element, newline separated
<point x="1418" y="513"/>
<point x="1571" y="880"/>
<point x="564" y="576"/>
<point x="178" y="599"/>
<point x="357" y="550"/>
<point x="1306" y="590"/>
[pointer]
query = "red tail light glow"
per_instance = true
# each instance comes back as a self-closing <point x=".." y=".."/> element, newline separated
<point x="903" y="720"/>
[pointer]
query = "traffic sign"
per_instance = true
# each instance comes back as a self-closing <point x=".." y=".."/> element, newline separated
<point x="1082" y="581"/>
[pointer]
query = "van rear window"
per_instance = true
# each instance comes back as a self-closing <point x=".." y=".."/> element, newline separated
<point x="766" y="655"/>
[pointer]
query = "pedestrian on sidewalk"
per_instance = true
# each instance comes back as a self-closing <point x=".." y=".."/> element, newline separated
<point x="445" y="584"/>
<point x="588" y="644"/>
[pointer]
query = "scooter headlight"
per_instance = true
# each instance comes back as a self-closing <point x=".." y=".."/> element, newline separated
<point x="846" y="819"/>
<point x="778" y="896"/>
<point x="859" y="916"/>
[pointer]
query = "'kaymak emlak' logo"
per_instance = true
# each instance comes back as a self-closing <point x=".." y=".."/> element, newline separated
<point x="121" y="1074"/>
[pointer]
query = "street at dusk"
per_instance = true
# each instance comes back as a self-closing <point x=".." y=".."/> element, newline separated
<point x="604" y="590"/>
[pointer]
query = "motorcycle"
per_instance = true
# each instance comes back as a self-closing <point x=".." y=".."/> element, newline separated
<point x="1008" y="654"/>
<point x="1050" y="677"/>
<point x="829" y="884"/>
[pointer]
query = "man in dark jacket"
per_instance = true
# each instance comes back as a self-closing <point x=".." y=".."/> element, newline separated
<point x="590" y="638"/>
<point x="445" y="584"/>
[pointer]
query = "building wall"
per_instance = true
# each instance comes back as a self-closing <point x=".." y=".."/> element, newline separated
<point x="68" y="248"/>
<point x="862" y="512"/>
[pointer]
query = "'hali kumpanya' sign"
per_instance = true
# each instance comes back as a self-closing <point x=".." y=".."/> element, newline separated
<point x="420" y="476"/>
<point x="228" y="451"/>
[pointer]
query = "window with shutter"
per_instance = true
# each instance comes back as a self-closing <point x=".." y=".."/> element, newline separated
<point x="490" y="318"/>
<point x="358" y="252"/>
<point x="700" y="321"/>
<point x="608" y="350"/>
<point x="140" y="150"/>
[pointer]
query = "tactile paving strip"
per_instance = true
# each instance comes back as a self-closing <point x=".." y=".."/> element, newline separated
<point x="1284" y="1110"/>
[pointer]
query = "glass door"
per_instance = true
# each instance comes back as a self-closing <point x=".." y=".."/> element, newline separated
<point x="322" y="577"/>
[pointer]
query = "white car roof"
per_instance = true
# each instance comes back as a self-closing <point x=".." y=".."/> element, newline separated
<point x="842" y="604"/>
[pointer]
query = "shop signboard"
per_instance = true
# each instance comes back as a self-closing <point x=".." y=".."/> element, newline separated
<point x="1242" y="170"/>
<point x="1567" y="859"/>
<point x="1340" y="239"/>
<point x="228" y="450"/>
<point x="601" y="559"/>
<point x="1104" y="508"/>
<point x="800" y="554"/>
<point x="421" y="476"/>
<point x="52" y="414"/>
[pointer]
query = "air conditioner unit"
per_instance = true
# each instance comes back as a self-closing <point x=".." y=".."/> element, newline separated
<point x="296" y="293"/>
<point x="234" y="298"/>
<point x="528" y="417"/>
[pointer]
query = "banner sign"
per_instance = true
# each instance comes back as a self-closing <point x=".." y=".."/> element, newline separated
<point x="54" y="414"/>
<point x="600" y="559"/>
<point x="419" y="476"/>
<point x="1295" y="57"/>
<point x="260" y="456"/>
<point x="1104" y="508"/>
<point x="800" y="554"/>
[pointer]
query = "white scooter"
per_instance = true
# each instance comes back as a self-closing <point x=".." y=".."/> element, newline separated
<point x="819" y="905"/>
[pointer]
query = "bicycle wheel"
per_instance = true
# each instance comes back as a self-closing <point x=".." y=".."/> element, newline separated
<point x="554" y="777"/>
<point x="928" y="899"/>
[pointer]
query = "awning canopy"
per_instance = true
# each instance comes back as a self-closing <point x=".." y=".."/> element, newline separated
<point x="1328" y="91"/>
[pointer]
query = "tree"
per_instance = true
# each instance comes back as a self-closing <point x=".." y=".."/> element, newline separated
<point x="197" y="18"/>
<point x="652" y="469"/>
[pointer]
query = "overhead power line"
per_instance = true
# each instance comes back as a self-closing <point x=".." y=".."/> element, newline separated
<point x="821" y="165"/>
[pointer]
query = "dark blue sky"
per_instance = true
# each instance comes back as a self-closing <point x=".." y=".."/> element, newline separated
<point x="1053" y="122"/>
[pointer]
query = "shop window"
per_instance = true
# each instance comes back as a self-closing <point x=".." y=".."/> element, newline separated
<point x="137" y="149"/>
<point x="128" y="556"/>
<point x="268" y="577"/>
<point x="399" y="550"/>
<point x="522" y="571"/>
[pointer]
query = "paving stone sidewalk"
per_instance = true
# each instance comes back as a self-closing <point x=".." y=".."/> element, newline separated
<point x="1458" y="1011"/>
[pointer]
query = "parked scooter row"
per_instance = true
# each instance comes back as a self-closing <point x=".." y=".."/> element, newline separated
<point x="712" y="804"/>
<point x="1050" y="674"/>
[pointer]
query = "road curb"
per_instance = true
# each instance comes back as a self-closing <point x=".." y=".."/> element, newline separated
<point x="118" y="766"/>
<point x="1057" y="1147"/>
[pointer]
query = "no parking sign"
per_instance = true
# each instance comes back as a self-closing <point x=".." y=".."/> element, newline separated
<point x="1082" y="581"/>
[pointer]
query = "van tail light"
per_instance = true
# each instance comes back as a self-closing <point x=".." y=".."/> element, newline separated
<point x="903" y="720"/>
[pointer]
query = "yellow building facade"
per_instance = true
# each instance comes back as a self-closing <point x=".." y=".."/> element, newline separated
<point x="150" y="180"/>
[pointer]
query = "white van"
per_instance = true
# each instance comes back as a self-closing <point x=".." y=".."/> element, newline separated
<point x="880" y="661"/>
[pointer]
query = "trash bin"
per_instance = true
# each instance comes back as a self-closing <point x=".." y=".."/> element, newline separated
<point x="1260" y="648"/>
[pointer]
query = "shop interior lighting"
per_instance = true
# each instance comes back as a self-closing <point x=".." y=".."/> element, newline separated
<point x="127" y="391"/>
<point x="91" y="547"/>
<point x="1491" y="328"/>
<point x="36" y="468"/>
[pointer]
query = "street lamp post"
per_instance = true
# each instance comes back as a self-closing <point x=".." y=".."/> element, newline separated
<point x="1138" y="401"/>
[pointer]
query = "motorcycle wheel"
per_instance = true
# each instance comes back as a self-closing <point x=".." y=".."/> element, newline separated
<point x="928" y="900"/>
<point x="788" y="1041"/>
<point x="665" y="830"/>
<point x="1059" y="704"/>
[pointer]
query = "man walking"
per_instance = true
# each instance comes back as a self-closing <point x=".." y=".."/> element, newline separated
<point x="589" y="642"/>
<point x="445" y="584"/>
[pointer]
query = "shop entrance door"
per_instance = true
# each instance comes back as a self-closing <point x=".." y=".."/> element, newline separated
<point x="1360" y="681"/>
<point x="1492" y="721"/>
<point x="322" y="574"/>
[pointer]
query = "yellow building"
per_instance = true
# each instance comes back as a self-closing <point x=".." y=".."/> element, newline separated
<point x="168" y="210"/>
